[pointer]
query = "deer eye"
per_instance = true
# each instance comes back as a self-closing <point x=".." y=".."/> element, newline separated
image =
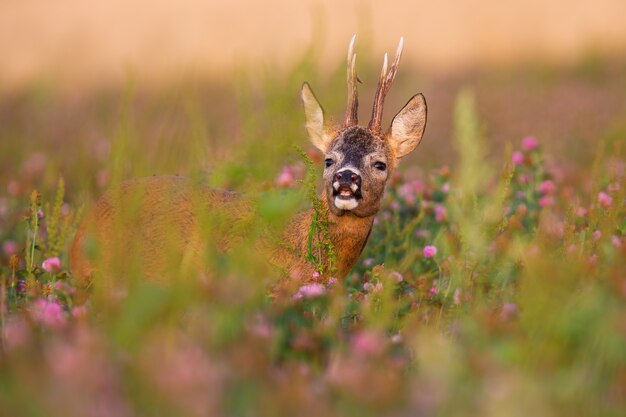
<point x="381" y="166"/>
<point x="328" y="162"/>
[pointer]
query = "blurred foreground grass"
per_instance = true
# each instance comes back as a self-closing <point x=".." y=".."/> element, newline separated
<point x="495" y="287"/>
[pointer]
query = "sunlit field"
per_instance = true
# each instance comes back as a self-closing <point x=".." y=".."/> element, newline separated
<point x="493" y="283"/>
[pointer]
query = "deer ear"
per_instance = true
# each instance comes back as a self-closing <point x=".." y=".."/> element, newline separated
<point x="407" y="127"/>
<point x="314" y="119"/>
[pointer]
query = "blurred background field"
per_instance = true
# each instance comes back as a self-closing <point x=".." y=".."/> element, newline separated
<point x="518" y="184"/>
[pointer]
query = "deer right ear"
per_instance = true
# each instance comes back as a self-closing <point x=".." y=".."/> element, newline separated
<point x="407" y="127"/>
<point x="314" y="119"/>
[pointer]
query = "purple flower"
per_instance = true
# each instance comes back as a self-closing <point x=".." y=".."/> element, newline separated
<point x="509" y="310"/>
<point x="517" y="158"/>
<point x="367" y="343"/>
<point x="546" y="201"/>
<point x="368" y="261"/>
<point x="285" y="179"/>
<point x="441" y="214"/>
<point x="316" y="275"/>
<point x="529" y="143"/>
<point x="310" y="291"/>
<point x="597" y="235"/>
<point x="604" y="199"/>
<point x="52" y="265"/>
<point x="430" y="251"/>
<point x="397" y="275"/>
<point x="9" y="247"/>
<point x="547" y="187"/>
<point x="48" y="313"/>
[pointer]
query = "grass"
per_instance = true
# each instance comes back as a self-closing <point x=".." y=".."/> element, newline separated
<point x="522" y="310"/>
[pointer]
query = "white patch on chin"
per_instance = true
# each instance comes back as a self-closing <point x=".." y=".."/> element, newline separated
<point x="343" y="204"/>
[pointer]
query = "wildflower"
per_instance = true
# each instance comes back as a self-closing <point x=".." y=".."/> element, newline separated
<point x="40" y="214"/>
<point x="367" y="286"/>
<point x="332" y="281"/>
<point x="529" y="143"/>
<point x="64" y="287"/>
<point x="445" y="188"/>
<point x="378" y="287"/>
<point x="397" y="275"/>
<point x="509" y="310"/>
<point x="52" y="265"/>
<point x="9" y="247"/>
<point x="48" y="313"/>
<point x="396" y="338"/>
<point x="430" y="251"/>
<point x="604" y="199"/>
<point x="367" y="343"/>
<point x="581" y="211"/>
<point x="441" y="214"/>
<point x="285" y="179"/>
<point x="523" y="179"/>
<point x="79" y="312"/>
<point x="616" y="241"/>
<point x="368" y="262"/>
<point x="316" y="275"/>
<point x="407" y="192"/>
<point x="517" y="158"/>
<point x="546" y="201"/>
<point x="597" y="235"/>
<point x="310" y="291"/>
<point x="395" y="205"/>
<point x="433" y="291"/>
<point x="16" y="333"/>
<point x="547" y="187"/>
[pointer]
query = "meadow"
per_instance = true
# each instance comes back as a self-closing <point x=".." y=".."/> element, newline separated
<point x="494" y="281"/>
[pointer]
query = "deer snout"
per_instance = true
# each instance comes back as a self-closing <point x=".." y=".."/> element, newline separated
<point x="347" y="184"/>
<point x="348" y="177"/>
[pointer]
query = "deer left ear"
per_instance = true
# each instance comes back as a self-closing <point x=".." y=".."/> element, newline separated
<point x="407" y="127"/>
<point x="314" y="119"/>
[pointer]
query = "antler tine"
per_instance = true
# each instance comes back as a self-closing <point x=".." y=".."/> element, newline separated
<point x="384" y="84"/>
<point x="353" y="99"/>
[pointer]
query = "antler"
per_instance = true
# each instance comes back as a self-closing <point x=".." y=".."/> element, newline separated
<point x="353" y="99"/>
<point x="384" y="84"/>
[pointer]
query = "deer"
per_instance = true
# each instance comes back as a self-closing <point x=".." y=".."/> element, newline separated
<point x="358" y="162"/>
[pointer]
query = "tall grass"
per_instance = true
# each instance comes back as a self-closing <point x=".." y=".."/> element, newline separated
<point x="520" y="310"/>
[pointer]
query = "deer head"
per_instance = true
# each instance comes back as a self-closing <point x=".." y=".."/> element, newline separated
<point x="359" y="160"/>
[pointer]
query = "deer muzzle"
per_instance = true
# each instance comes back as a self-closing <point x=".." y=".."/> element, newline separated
<point x="347" y="189"/>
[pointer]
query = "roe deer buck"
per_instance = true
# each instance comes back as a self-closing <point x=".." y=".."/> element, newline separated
<point x="358" y="162"/>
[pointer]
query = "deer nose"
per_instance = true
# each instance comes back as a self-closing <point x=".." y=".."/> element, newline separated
<point x="348" y="177"/>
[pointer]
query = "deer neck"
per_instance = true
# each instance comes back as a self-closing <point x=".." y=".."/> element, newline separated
<point x="349" y="235"/>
